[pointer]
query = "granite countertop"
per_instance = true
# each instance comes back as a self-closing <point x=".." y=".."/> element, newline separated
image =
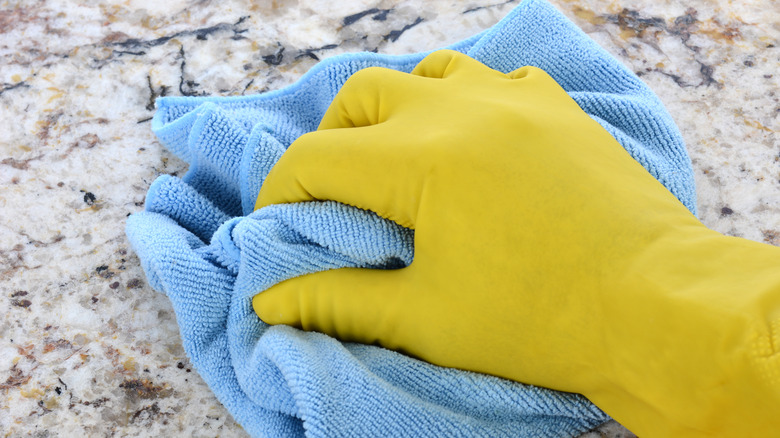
<point x="88" y="348"/>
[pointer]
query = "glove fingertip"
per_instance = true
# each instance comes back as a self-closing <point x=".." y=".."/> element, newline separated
<point x="277" y="307"/>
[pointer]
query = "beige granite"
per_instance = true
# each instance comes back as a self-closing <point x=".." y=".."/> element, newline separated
<point x="87" y="348"/>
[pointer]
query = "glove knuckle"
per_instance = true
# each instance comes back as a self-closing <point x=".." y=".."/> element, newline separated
<point x="363" y="79"/>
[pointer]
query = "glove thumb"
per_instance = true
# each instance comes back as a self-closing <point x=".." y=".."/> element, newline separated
<point x="351" y="304"/>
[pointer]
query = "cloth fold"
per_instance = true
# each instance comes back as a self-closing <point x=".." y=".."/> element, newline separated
<point x="201" y="244"/>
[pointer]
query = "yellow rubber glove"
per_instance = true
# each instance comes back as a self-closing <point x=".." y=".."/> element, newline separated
<point x="543" y="252"/>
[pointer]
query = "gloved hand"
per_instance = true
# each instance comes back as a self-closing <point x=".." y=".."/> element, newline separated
<point x="543" y="252"/>
<point x="281" y="382"/>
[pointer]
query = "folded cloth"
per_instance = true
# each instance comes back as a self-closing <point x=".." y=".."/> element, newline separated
<point x="200" y="243"/>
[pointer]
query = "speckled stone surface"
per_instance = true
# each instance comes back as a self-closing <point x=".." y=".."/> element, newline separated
<point x="87" y="348"/>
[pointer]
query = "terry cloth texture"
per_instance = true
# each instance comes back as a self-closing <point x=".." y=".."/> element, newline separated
<point x="197" y="247"/>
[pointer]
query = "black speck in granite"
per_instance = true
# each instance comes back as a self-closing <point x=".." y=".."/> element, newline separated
<point x="21" y="303"/>
<point x="96" y="403"/>
<point x="726" y="211"/>
<point x="275" y="58"/>
<point x="89" y="198"/>
<point x="144" y="389"/>
<point x="45" y="411"/>
<point x="104" y="272"/>
<point x="148" y="415"/>
<point x="706" y="73"/>
<point x="134" y="283"/>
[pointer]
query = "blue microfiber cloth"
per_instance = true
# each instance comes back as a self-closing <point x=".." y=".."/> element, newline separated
<point x="200" y="243"/>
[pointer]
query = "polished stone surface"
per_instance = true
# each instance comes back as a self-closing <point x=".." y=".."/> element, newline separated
<point x="87" y="348"/>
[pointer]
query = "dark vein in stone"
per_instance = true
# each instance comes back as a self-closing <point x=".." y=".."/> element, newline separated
<point x="395" y="34"/>
<point x="378" y="15"/>
<point x="128" y="52"/>
<point x="191" y="85"/>
<point x="7" y="87"/>
<point x="478" y="8"/>
<point x="632" y="20"/>
<point x="154" y="94"/>
<point x="311" y="53"/>
<point x="200" y="34"/>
